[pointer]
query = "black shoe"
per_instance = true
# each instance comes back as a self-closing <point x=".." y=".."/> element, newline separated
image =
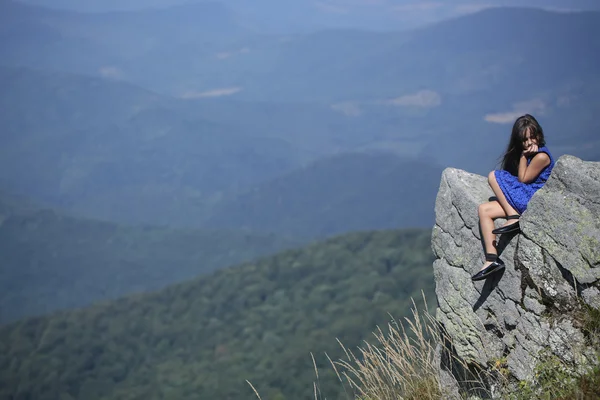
<point x="487" y="271"/>
<point x="515" y="227"/>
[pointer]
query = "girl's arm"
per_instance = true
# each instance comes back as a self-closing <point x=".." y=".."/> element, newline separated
<point x="528" y="173"/>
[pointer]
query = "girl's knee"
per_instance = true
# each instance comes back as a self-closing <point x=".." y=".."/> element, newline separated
<point x="482" y="210"/>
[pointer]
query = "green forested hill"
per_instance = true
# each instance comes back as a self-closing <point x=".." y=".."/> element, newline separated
<point x="202" y="339"/>
<point x="50" y="261"/>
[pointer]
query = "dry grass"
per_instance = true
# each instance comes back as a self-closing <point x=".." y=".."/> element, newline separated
<point x="400" y="366"/>
<point x="254" y="389"/>
<point x="403" y="364"/>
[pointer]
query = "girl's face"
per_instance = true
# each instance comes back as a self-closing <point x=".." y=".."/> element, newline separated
<point x="529" y="139"/>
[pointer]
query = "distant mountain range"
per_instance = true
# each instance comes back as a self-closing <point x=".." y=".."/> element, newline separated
<point x="202" y="339"/>
<point x="203" y="50"/>
<point x="270" y="110"/>
<point x="343" y="193"/>
<point x="78" y="139"/>
<point x="286" y="16"/>
<point x="133" y="156"/>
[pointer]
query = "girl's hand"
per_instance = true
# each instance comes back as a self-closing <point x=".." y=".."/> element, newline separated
<point x="531" y="150"/>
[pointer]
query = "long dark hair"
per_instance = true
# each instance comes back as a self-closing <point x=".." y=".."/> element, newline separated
<point x="523" y="124"/>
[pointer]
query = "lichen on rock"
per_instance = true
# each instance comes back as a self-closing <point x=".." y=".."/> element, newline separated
<point x="552" y="269"/>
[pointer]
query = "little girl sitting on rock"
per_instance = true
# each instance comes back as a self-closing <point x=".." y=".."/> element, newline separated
<point x="526" y="166"/>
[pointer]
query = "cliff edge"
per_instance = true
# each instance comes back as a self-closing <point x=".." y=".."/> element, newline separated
<point x="533" y="307"/>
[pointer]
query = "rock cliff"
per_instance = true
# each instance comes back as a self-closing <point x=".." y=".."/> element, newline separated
<point x="533" y="307"/>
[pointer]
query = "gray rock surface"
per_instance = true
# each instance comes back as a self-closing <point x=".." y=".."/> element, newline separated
<point x="552" y="267"/>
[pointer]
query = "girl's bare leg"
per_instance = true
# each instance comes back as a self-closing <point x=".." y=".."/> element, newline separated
<point x="508" y="209"/>
<point x="487" y="213"/>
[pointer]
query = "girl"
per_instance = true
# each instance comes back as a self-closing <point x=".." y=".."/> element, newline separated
<point x="526" y="166"/>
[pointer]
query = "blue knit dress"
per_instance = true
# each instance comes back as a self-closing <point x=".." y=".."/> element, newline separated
<point x="518" y="193"/>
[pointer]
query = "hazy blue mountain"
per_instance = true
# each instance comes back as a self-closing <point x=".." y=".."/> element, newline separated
<point x="293" y="16"/>
<point x="343" y="193"/>
<point x="133" y="156"/>
<point x="460" y="83"/>
<point x="466" y="56"/>
<point x="202" y="339"/>
<point x="201" y="50"/>
<point x="445" y="94"/>
<point x="115" y="151"/>
<point x="115" y="43"/>
<point x="50" y="261"/>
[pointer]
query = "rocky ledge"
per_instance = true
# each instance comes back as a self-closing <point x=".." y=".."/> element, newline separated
<point x="533" y="307"/>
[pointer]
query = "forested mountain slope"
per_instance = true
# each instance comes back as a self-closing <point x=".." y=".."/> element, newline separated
<point x="202" y="339"/>
<point x="50" y="261"/>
